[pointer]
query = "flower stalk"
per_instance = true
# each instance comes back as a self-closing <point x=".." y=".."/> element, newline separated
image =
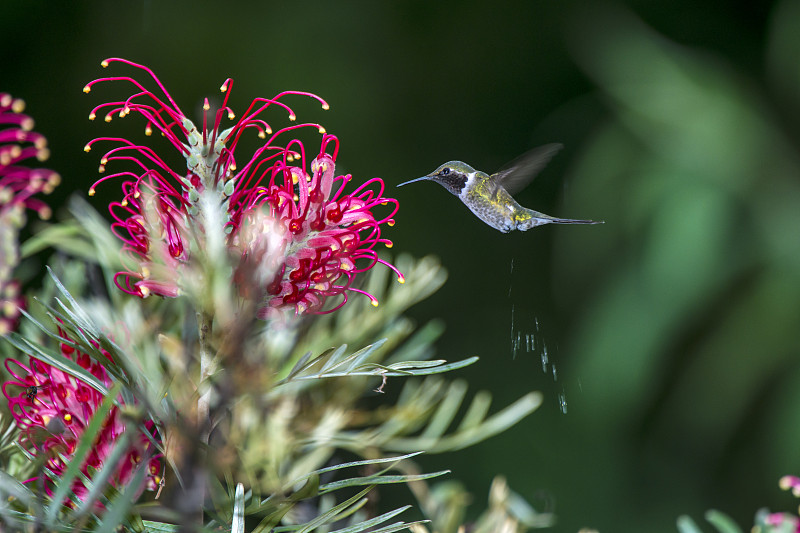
<point x="205" y="320"/>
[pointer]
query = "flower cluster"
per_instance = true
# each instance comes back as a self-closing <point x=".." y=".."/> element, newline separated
<point x="295" y="238"/>
<point x="53" y="408"/>
<point x="18" y="187"/>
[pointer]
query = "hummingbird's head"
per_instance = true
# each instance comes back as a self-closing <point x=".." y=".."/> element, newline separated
<point x="453" y="176"/>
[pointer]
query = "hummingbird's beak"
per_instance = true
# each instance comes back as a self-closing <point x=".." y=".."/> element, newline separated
<point x="412" y="181"/>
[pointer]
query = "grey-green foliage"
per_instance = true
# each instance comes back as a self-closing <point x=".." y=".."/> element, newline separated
<point x="286" y="403"/>
<point x="721" y="522"/>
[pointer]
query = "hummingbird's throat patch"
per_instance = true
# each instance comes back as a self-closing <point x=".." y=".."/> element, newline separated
<point x="454" y="182"/>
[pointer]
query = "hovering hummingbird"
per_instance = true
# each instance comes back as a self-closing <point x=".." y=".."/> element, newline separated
<point x="489" y="197"/>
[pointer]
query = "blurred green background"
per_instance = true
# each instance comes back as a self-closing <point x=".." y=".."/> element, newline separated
<point x="673" y="327"/>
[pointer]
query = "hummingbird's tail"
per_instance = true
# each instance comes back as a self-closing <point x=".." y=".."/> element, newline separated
<point x="572" y="221"/>
<point x="530" y="220"/>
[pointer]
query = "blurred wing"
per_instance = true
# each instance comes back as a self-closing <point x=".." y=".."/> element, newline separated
<point x="516" y="175"/>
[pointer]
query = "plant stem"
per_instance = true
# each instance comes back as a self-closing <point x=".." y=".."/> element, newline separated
<point x="204" y="321"/>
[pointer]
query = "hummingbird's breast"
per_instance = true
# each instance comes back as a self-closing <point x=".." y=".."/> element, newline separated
<point x="491" y="203"/>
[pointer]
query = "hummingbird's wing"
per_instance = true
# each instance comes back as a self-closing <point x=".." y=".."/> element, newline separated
<point x="516" y="175"/>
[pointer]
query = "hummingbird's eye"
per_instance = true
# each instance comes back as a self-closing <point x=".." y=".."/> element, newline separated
<point x="445" y="171"/>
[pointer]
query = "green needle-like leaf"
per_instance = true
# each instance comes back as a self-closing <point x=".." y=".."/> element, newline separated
<point x="446" y="412"/>
<point x="687" y="525"/>
<point x="82" y="320"/>
<point x="122" y="505"/>
<point x="493" y="425"/>
<point x="334" y="513"/>
<point x="722" y="522"/>
<point x="378" y="480"/>
<point x="373" y="522"/>
<point x="98" y="482"/>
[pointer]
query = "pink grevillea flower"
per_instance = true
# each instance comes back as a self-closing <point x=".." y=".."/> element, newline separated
<point x="293" y="236"/>
<point x="18" y="185"/>
<point x="780" y="522"/>
<point x="53" y="408"/>
<point x="792" y="483"/>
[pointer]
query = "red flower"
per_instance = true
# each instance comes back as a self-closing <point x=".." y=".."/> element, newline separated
<point x="53" y="408"/>
<point x="18" y="185"/>
<point x="294" y="236"/>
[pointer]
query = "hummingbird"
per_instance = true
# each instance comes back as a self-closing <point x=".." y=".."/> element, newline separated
<point x="489" y="196"/>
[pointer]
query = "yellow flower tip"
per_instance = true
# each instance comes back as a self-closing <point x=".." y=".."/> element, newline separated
<point x="148" y="130"/>
<point x="295" y="179"/>
<point x="206" y="106"/>
<point x="101" y="169"/>
<point x="292" y="117"/>
<point x="401" y="279"/>
<point x="269" y="130"/>
<point x="104" y="161"/>
<point x="233" y="167"/>
<point x="124" y="202"/>
<point x="262" y="135"/>
<point x="325" y="106"/>
<point x="290" y="158"/>
<point x="136" y="194"/>
<point x="296" y="198"/>
<point x="92" y="116"/>
<point x="104" y="63"/>
<point x="121" y="113"/>
<point x="373" y="301"/>
<point x="92" y="192"/>
<point x="87" y="148"/>
<point x="384" y="203"/>
<point x="389" y="244"/>
<point x="45" y="213"/>
<point x="144" y="291"/>
<point x="322" y="130"/>
<point x="67" y="417"/>
<point x="145" y="272"/>
<point x="231" y="115"/>
<point x="108" y="118"/>
<point x="18" y="105"/>
<point x="87" y="88"/>
<point x="390" y="222"/>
